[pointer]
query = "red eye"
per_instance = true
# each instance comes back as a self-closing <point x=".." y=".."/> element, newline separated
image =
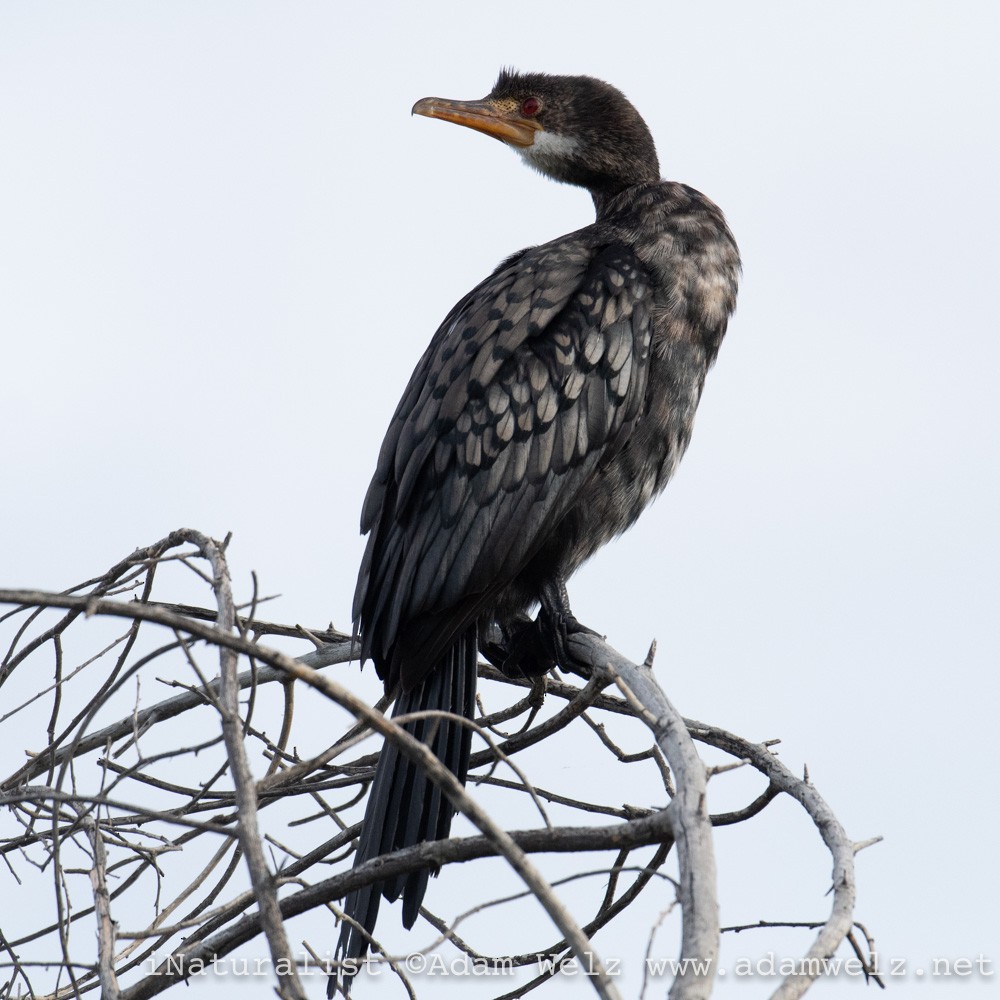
<point x="530" y="108"/>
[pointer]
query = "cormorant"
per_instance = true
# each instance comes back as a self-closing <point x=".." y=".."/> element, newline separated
<point x="551" y="406"/>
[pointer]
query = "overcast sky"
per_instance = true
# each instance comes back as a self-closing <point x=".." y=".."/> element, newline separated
<point x="224" y="243"/>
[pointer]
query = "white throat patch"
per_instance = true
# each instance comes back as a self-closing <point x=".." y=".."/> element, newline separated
<point x="548" y="145"/>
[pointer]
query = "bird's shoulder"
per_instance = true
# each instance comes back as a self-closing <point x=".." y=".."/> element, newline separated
<point x="552" y="324"/>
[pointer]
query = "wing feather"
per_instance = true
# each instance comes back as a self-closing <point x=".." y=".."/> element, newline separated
<point x="532" y="381"/>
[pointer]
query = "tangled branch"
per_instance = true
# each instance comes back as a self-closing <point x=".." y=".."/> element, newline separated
<point x="198" y="832"/>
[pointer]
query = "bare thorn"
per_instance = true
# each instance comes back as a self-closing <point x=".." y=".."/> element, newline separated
<point x="860" y="845"/>
<point x="710" y="772"/>
<point x="648" y="662"/>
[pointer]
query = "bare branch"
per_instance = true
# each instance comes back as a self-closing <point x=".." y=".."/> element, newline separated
<point x="688" y="812"/>
<point x="835" y="930"/>
<point x="102" y="905"/>
<point x="289" y="986"/>
<point x="166" y="825"/>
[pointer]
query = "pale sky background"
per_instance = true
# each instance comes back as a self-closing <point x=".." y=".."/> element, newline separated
<point x="224" y="243"/>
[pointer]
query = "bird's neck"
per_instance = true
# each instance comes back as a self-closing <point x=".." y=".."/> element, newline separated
<point x="611" y="201"/>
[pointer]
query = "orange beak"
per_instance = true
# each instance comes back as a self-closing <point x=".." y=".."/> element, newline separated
<point x="507" y="125"/>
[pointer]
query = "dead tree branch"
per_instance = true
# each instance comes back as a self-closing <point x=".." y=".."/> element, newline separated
<point x="688" y="813"/>
<point x="201" y="832"/>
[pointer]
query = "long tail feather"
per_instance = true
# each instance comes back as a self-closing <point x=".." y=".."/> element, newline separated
<point x="405" y="807"/>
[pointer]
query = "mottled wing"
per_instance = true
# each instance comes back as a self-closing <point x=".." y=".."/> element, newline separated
<point x="534" y="378"/>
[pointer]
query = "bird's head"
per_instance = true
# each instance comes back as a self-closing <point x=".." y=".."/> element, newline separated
<point x="572" y="128"/>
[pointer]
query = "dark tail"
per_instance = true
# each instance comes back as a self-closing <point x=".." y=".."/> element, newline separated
<point x="405" y="807"/>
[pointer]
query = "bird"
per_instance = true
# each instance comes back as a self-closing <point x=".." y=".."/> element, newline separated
<point x="551" y="406"/>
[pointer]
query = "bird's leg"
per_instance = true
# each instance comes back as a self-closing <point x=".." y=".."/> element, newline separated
<point x="521" y="649"/>
<point x="556" y="621"/>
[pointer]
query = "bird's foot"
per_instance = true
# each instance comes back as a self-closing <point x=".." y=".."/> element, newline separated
<point x="558" y="629"/>
<point x="558" y="623"/>
<point x="519" y="647"/>
<point x="521" y="650"/>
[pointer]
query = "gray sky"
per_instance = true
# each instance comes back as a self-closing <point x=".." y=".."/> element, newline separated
<point x="224" y="243"/>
